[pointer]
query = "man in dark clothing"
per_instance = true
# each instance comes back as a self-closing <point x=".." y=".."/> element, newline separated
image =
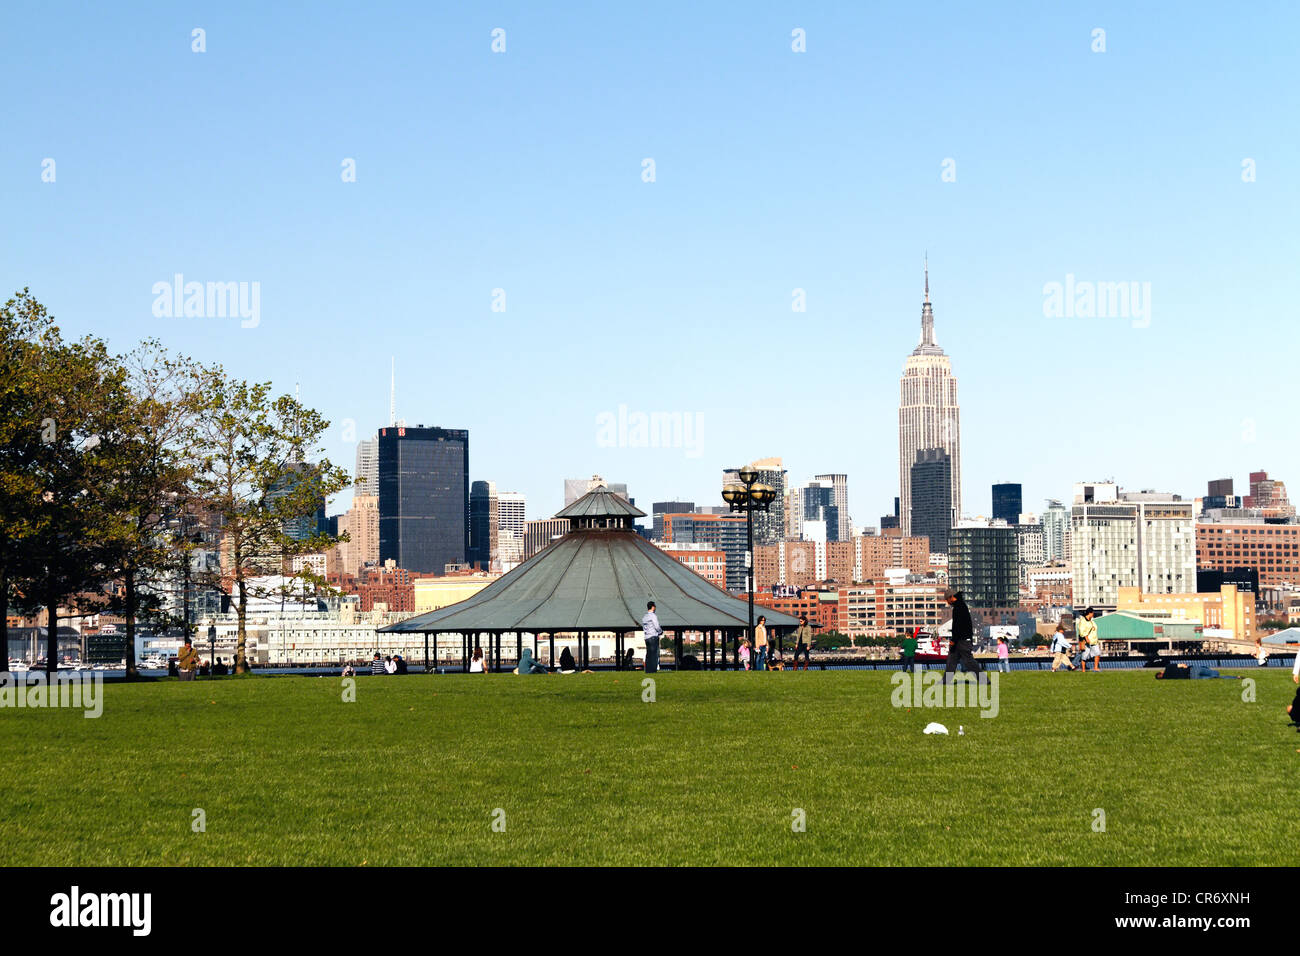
<point x="961" y="647"/>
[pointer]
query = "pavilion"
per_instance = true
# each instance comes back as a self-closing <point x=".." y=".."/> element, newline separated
<point x="596" y="578"/>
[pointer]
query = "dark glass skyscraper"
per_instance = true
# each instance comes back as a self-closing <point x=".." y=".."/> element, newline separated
<point x="932" y="497"/>
<point x="484" y="524"/>
<point x="819" y="505"/>
<point x="661" y="508"/>
<point x="984" y="563"/>
<point x="1006" y="502"/>
<point x="423" y="497"/>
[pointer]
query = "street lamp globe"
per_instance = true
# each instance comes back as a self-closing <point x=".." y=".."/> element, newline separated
<point x="748" y="475"/>
<point x="733" y="493"/>
<point x="762" y="494"/>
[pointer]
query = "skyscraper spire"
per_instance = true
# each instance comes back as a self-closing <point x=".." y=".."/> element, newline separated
<point x="928" y="344"/>
<point x="392" y="394"/>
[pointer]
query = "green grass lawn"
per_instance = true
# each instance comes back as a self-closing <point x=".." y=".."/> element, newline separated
<point x="711" y="773"/>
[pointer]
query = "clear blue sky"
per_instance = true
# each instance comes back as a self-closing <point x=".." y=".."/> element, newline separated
<point x="774" y="171"/>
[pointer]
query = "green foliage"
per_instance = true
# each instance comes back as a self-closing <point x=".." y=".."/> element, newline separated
<point x="103" y="459"/>
<point x="259" y="471"/>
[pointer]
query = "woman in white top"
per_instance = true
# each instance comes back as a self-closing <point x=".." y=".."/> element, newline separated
<point x="476" y="662"/>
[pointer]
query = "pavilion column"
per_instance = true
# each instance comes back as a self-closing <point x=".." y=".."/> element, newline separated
<point x="435" y="651"/>
<point x="426" y="652"/>
<point x="551" y="661"/>
<point x="519" y="646"/>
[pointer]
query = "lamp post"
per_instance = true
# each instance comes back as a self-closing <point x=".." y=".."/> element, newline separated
<point x="748" y="496"/>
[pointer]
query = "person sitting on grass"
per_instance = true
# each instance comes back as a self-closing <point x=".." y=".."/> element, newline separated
<point x="527" y="665"/>
<point x="629" y="660"/>
<point x="567" y="664"/>
<point x="1176" y="671"/>
<point x="476" y="663"/>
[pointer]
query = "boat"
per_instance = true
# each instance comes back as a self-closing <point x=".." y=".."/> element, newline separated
<point x="930" y="646"/>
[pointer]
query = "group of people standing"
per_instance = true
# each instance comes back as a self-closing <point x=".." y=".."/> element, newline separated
<point x="754" y="655"/>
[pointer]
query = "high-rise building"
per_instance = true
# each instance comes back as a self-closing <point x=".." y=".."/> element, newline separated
<point x="511" y="525"/>
<point x="794" y="514"/>
<point x="361" y="522"/>
<point x="888" y="522"/>
<point x="840" y="490"/>
<point x="1270" y="549"/>
<point x="931" y="482"/>
<point x="817" y="500"/>
<point x="1006" y="502"/>
<point x="310" y="522"/>
<point x="984" y="563"/>
<point x="769" y="525"/>
<point x="928" y="414"/>
<point x="484" y="524"/>
<point x="575" y="488"/>
<point x="423" y="497"/>
<point x="660" y="508"/>
<point x="1056" y="528"/>
<point x="725" y="532"/>
<point x="1269" y="496"/>
<point x="704" y="559"/>
<point x="539" y="534"/>
<point x="1141" y="539"/>
<point x="1032" y="544"/>
<point x="367" y="474"/>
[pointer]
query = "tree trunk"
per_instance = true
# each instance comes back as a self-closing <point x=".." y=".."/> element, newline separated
<point x="129" y="655"/>
<point x="241" y="664"/>
<point x="4" y="619"/>
<point x="52" y="635"/>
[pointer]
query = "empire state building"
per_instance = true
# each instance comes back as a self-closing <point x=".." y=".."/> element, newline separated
<point x="929" y="432"/>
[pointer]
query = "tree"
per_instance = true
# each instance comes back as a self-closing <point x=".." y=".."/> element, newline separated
<point x="66" y="401"/>
<point x="153" y="472"/>
<point x="254" y="475"/>
<point x="25" y="328"/>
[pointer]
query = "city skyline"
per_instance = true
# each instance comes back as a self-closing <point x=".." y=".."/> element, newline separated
<point x="777" y="173"/>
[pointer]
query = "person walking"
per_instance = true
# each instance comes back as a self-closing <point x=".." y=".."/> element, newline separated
<point x="760" y="644"/>
<point x="650" y="627"/>
<point x="1004" y="662"/>
<point x="187" y="660"/>
<point x="803" y="641"/>
<point x="1087" y="631"/>
<point x="961" y="647"/>
<point x="1061" y="649"/>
